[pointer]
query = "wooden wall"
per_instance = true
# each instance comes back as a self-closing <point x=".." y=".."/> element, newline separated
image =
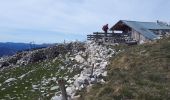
<point x="138" y="37"/>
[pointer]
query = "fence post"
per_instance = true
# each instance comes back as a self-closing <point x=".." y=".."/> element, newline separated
<point x="61" y="83"/>
<point x="92" y="70"/>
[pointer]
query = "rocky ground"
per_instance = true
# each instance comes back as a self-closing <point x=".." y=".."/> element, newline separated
<point x="33" y="74"/>
<point x="94" y="62"/>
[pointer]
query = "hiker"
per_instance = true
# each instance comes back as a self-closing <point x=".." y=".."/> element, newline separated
<point x="105" y="28"/>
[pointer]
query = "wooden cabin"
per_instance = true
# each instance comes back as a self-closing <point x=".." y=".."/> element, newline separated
<point x="132" y="32"/>
<point x="142" y="31"/>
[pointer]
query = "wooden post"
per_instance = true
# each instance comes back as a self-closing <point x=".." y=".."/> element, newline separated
<point x="61" y="83"/>
<point x="92" y="70"/>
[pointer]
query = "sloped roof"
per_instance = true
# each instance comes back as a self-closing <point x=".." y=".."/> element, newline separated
<point x="151" y="25"/>
<point x="145" y="27"/>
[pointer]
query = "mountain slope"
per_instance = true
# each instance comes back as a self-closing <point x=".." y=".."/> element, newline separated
<point x="139" y="73"/>
<point x="33" y="75"/>
<point x="135" y="72"/>
<point x="36" y="79"/>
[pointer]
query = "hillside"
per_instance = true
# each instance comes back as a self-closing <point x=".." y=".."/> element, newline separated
<point x="33" y="75"/>
<point x="139" y="72"/>
<point x="91" y="71"/>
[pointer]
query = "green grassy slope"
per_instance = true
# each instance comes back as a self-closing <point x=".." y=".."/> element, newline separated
<point x="139" y="72"/>
<point x="36" y="81"/>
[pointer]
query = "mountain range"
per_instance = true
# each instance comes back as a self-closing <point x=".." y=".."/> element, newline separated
<point x="10" y="48"/>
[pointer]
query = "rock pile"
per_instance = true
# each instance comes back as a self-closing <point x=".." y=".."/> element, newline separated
<point x="94" y="61"/>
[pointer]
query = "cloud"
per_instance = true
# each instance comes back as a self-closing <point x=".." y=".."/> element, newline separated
<point x="73" y="17"/>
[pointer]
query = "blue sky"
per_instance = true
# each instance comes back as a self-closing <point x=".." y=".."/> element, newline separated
<point x="51" y="21"/>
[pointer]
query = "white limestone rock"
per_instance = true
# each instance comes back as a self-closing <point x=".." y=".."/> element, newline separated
<point x="79" y="59"/>
<point x="54" y="88"/>
<point x="10" y="80"/>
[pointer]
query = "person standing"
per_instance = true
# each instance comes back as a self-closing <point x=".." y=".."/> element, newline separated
<point x="105" y="28"/>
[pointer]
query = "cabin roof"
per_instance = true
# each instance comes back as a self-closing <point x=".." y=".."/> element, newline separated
<point x="144" y="27"/>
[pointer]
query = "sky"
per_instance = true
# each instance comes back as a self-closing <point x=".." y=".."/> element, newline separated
<point x="52" y="21"/>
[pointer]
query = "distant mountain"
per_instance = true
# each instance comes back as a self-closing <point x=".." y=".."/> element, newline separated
<point x="9" y="48"/>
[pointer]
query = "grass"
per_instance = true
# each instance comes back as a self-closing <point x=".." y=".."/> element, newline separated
<point x="140" y="72"/>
